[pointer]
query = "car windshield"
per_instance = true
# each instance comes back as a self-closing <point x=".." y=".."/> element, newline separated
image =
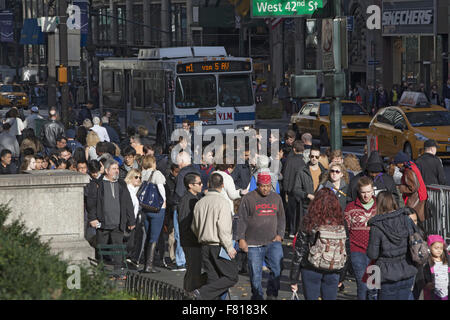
<point x="352" y="109"/>
<point x="235" y="90"/>
<point x="429" y="118"/>
<point x="10" y="88"/>
<point x="196" y="92"/>
<point x="348" y="109"/>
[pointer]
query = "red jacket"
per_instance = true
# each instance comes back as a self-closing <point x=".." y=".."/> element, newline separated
<point x="357" y="218"/>
<point x="414" y="190"/>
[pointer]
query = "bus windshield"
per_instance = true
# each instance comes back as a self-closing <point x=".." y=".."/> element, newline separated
<point x="196" y="92"/>
<point x="235" y="90"/>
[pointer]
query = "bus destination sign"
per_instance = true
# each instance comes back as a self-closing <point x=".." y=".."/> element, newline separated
<point x="214" y="66"/>
<point x="284" y="8"/>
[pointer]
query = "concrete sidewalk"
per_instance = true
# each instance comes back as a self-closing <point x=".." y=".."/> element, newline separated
<point x="242" y="290"/>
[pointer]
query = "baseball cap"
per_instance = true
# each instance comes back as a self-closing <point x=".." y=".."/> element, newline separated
<point x="34" y="109"/>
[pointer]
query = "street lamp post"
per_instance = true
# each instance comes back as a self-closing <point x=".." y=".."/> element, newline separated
<point x="335" y="112"/>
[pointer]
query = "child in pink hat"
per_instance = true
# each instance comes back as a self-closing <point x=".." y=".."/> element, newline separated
<point x="437" y="271"/>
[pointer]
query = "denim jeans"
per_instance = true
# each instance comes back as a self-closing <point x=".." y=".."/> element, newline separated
<point x="180" y="259"/>
<point x="360" y="261"/>
<point x="316" y="284"/>
<point x="399" y="290"/>
<point x="153" y="225"/>
<point x="272" y="254"/>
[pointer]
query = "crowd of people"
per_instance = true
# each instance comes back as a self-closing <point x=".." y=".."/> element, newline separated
<point x="375" y="98"/>
<point x="370" y="97"/>
<point x="215" y="219"/>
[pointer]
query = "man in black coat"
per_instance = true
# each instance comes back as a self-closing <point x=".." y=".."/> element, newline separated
<point x="430" y="166"/>
<point x="6" y="165"/>
<point x="381" y="180"/>
<point x="85" y="112"/>
<point x="114" y="213"/>
<point x="51" y="130"/>
<point x="185" y="165"/>
<point x="304" y="186"/>
<point x="242" y="173"/>
<point x="292" y="165"/>
<point x="192" y="249"/>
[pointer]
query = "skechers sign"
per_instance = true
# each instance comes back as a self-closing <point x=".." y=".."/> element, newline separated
<point x="409" y="17"/>
<point x="395" y="18"/>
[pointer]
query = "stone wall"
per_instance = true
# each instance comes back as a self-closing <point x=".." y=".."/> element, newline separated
<point x="51" y="201"/>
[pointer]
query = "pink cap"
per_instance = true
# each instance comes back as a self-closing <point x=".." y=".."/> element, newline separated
<point x="434" y="238"/>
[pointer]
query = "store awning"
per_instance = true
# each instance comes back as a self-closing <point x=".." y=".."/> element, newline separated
<point x="31" y="33"/>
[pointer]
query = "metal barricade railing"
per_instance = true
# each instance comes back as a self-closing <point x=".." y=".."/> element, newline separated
<point x="438" y="205"/>
<point x="145" y="288"/>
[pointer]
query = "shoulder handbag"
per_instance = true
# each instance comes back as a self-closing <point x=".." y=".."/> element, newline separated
<point x="149" y="197"/>
<point x="417" y="246"/>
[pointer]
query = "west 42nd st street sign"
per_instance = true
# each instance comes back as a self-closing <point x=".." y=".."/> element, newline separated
<point x="280" y="8"/>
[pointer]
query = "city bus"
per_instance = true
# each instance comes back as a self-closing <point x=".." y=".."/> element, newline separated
<point x="163" y="86"/>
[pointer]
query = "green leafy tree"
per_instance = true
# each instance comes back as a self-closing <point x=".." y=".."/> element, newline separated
<point x="30" y="271"/>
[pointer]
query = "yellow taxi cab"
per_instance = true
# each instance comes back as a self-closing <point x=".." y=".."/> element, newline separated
<point x="13" y="95"/>
<point x="407" y="126"/>
<point x="314" y="117"/>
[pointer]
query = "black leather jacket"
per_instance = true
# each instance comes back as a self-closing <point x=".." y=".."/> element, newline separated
<point x="50" y="131"/>
<point x="303" y="241"/>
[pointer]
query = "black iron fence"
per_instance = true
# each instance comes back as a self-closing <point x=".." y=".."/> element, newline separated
<point x="145" y="288"/>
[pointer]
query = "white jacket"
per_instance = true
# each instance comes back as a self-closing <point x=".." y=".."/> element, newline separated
<point x="16" y="126"/>
<point x="133" y="191"/>
<point x="101" y="132"/>
<point x="229" y="190"/>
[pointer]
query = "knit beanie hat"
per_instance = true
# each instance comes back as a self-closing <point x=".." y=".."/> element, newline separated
<point x="435" y="238"/>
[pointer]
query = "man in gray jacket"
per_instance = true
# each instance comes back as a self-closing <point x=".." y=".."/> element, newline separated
<point x="212" y="224"/>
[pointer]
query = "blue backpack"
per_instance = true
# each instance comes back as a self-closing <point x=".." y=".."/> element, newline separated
<point x="149" y="197"/>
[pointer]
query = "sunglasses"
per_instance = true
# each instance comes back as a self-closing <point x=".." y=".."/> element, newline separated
<point x="138" y="177"/>
<point x="312" y="157"/>
<point x="335" y="171"/>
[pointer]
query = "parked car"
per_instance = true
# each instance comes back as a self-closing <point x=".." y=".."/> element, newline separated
<point x="13" y="95"/>
<point x="314" y="117"/>
<point x="407" y="126"/>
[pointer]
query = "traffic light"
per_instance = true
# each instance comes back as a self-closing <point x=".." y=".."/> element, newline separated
<point x="62" y="74"/>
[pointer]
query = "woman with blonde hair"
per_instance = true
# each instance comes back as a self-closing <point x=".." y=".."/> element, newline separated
<point x="351" y="162"/>
<point x="153" y="221"/>
<point x="91" y="142"/>
<point x="133" y="181"/>
<point x="336" y="179"/>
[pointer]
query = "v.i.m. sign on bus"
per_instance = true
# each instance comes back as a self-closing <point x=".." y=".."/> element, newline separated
<point x="284" y="8"/>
